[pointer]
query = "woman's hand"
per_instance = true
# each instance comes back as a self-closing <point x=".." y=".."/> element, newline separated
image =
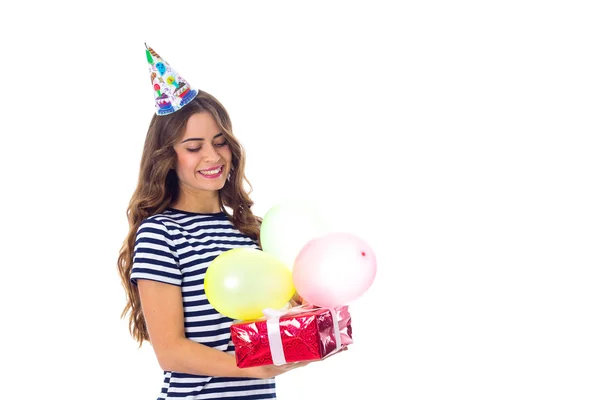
<point x="271" y="371"/>
<point x="296" y="300"/>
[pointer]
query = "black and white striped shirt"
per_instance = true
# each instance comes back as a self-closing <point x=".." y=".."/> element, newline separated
<point x="176" y="247"/>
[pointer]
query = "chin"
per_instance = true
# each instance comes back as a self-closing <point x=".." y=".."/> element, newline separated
<point x="214" y="186"/>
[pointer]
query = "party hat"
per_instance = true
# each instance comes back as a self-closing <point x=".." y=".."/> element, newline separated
<point x="171" y="91"/>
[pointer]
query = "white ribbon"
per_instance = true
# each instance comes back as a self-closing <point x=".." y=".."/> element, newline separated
<point x="274" y="331"/>
<point x="336" y="329"/>
<point x="274" y="334"/>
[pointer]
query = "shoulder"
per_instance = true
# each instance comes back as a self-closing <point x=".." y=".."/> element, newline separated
<point x="153" y="222"/>
<point x="177" y="225"/>
<point x="158" y="224"/>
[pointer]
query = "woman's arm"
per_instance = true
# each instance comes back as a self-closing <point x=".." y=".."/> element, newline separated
<point x="163" y="311"/>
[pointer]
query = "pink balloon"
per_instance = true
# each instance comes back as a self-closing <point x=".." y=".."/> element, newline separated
<point x="334" y="269"/>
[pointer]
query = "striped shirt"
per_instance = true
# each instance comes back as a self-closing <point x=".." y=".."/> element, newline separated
<point x="176" y="247"/>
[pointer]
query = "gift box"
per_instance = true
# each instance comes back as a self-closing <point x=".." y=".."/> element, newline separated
<point x="302" y="333"/>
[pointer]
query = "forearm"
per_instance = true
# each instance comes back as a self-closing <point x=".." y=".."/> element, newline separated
<point x="188" y="357"/>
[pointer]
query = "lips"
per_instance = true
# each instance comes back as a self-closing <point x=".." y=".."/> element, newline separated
<point x="213" y="172"/>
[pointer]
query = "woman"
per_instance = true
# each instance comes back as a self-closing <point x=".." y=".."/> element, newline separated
<point x="189" y="206"/>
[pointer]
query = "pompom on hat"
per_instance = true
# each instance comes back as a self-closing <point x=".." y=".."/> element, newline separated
<point x="171" y="91"/>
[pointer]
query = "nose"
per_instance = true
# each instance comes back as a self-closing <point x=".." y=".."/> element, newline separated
<point x="210" y="153"/>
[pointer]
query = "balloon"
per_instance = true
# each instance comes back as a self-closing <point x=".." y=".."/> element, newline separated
<point x="287" y="227"/>
<point x="333" y="270"/>
<point x="241" y="282"/>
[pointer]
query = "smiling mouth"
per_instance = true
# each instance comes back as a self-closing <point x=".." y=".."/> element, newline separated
<point x="212" y="172"/>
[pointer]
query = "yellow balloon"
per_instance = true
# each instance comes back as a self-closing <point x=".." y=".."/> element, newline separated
<point x="240" y="283"/>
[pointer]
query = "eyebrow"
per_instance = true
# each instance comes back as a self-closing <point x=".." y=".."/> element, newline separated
<point x="190" y="139"/>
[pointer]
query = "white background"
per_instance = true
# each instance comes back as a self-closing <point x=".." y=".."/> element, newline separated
<point x="458" y="138"/>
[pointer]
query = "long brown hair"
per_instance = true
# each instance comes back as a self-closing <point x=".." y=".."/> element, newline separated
<point x="158" y="187"/>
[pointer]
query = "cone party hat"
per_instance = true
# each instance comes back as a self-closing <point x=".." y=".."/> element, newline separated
<point x="171" y="91"/>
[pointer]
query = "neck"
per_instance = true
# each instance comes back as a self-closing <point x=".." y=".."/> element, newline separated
<point x="205" y="202"/>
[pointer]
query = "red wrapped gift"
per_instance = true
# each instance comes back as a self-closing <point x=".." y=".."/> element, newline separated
<point x="302" y="333"/>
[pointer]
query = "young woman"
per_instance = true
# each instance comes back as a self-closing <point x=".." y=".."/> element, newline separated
<point x="189" y="206"/>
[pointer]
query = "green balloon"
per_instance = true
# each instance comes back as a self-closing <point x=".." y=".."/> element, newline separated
<point x="240" y="283"/>
<point x="288" y="226"/>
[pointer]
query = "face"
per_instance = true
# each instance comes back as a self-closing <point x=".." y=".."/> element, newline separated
<point x="203" y="155"/>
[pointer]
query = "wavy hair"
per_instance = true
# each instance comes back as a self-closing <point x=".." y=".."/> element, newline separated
<point x="158" y="188"/>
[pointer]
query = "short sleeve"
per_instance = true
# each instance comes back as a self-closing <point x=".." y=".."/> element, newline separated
<point x="154" y="255"/>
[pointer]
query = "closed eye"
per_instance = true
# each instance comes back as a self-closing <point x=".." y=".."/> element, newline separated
<point x="197" y="149"/>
